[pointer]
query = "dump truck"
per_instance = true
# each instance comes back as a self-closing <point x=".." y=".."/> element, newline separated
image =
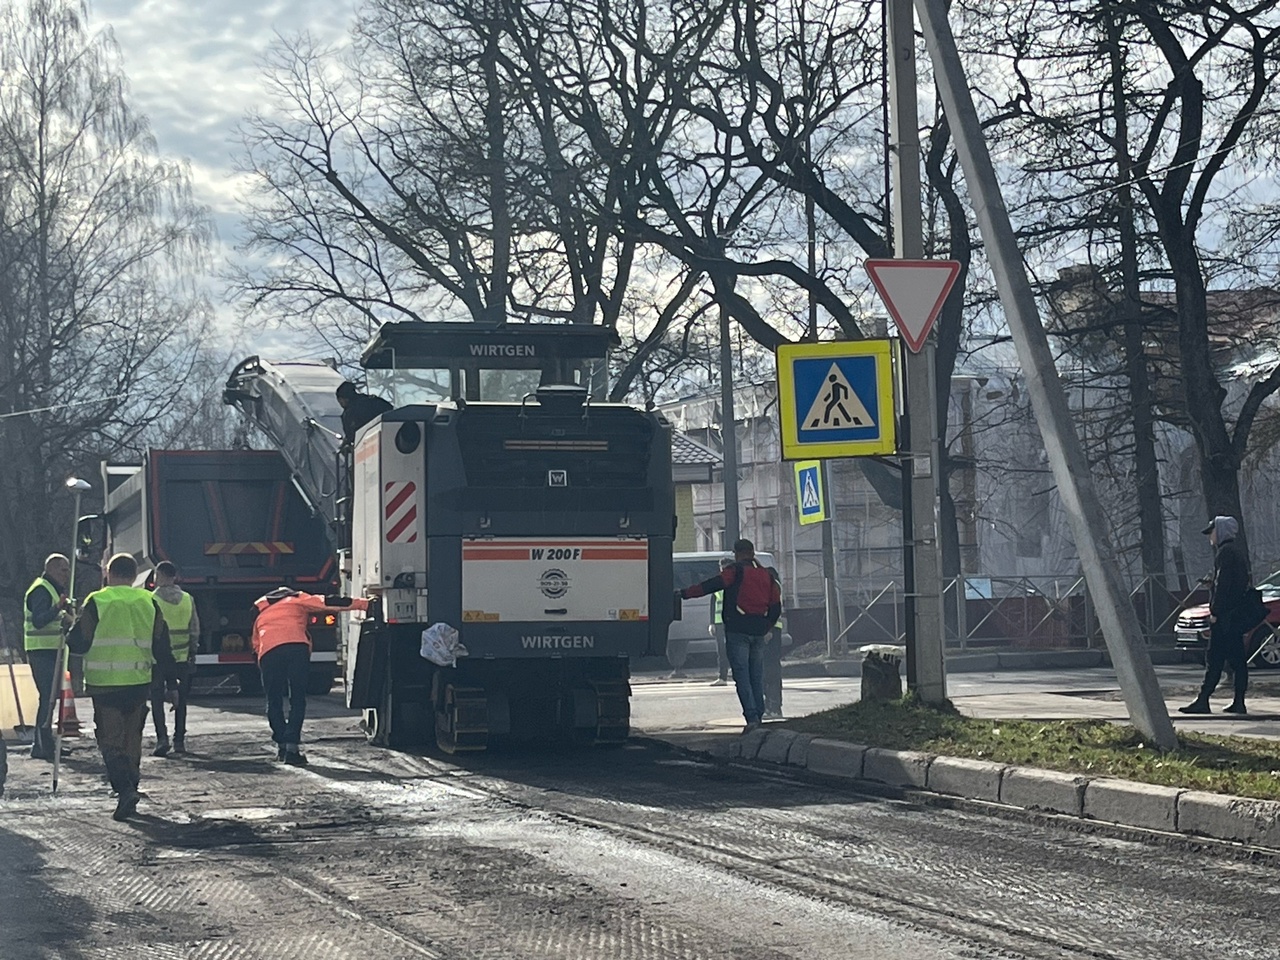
<point x="236" y="525"/>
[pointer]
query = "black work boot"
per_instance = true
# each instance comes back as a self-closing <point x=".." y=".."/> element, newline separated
<point x="126" y="805"/>
<point x="1199" y="706"/>
<point x="42" y="745"/>
<point x="294" y="757"/>
<point x="162" y="747"/>
<point x="1237" y="707"/>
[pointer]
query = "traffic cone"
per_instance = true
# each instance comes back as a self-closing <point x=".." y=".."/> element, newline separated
<point x="68" y="722"/>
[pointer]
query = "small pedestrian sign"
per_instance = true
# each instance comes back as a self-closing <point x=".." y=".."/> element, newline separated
<point x="836" y="399"/>
<point x="810" y="496"/>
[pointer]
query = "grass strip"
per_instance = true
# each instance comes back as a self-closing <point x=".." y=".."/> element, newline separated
<point x="1245" y="766"/>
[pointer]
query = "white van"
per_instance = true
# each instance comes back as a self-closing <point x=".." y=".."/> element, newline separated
<point x="695" y="618"/>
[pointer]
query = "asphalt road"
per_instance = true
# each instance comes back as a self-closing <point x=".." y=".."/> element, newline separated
<point x="638" y="852"/>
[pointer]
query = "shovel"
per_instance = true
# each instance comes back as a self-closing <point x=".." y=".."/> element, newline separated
<point x="25" y="733"/>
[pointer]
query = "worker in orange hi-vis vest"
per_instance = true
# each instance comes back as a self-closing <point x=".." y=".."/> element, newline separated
<point x="283" y="647"/>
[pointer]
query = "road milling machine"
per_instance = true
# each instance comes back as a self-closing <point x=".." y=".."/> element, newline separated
<point x="502" y="497"/>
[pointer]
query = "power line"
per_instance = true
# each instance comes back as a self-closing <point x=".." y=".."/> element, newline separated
<point x="62" y="406"/>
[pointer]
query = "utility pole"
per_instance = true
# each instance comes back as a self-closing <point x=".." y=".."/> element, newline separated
<point x="922" y="568"/>
<point x="1119" y="620"/>
<point x="728" y="435"/>
<point x="834" y="609"/>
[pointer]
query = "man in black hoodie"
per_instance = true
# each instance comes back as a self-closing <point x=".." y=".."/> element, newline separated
<point x="358" y="409"/>
<point x="1231" y="583"/>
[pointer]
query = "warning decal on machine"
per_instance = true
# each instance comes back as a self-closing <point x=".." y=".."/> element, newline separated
<point x="400" y="509"/>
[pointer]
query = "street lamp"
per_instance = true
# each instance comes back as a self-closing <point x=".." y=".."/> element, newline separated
<point x="78" y="487"/>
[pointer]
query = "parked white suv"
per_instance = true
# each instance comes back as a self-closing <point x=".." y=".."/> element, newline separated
<point x="695" y="617"/>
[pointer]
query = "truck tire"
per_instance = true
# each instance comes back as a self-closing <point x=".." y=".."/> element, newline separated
<point x="320" y="682"/>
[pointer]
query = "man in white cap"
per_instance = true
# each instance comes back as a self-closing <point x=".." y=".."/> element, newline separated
<point x="1232" y="581"/>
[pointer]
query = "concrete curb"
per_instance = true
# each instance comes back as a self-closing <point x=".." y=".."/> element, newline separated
<point x="1036" y="789"/>
<point x="1126" y="803"/>
<point x="959" y="777"/>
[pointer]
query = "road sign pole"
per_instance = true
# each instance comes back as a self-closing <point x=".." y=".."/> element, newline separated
<point x="728" y="435"/>
<point x="831" y="592"/>
<point x="926" y="672"/>
<point x="814" y="505"/>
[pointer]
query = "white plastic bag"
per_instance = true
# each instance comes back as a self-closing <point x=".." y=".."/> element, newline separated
<point x="440" y="645"/>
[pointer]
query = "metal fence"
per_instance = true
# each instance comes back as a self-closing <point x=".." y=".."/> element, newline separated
<point x="1019" y="612"/>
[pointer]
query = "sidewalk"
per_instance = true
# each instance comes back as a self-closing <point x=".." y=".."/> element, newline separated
<point x="986" y="661"/>
<point x="661" y="707"/>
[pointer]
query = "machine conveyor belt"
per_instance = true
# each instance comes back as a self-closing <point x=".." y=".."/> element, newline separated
<point x="294" y="404"/>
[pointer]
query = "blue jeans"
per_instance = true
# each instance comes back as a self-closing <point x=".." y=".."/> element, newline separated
<point x="746" y="657"/>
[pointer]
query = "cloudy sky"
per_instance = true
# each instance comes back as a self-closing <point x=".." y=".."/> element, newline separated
<point x="195" y="69"/>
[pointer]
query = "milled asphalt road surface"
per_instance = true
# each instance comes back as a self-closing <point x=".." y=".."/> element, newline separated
<point x="636" y="852"/>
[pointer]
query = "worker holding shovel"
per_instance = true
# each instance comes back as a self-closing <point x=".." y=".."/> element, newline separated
<point x="47" y="613"/>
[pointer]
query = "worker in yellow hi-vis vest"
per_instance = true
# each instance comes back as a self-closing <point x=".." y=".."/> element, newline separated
<point x="46" y="613"/>
<point x="122" y="635"/>
<point x="180" y="615"/>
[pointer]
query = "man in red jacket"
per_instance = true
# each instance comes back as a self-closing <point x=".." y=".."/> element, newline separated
<point x="283" y="646"/>
<point x="752" y="606"/>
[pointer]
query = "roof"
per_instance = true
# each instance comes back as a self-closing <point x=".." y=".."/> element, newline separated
<point x="687" y="451"/>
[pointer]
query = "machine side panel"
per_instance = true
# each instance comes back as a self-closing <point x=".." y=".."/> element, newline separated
<point x="366" y="515"/>
<point x="402" y="513"/>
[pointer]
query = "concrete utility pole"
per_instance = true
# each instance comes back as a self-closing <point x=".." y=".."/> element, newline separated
<point x="834" y="609"/>
<point x="1119" y="620"/>
<point x="926" y="668"/>
<point x="728" y="435"/>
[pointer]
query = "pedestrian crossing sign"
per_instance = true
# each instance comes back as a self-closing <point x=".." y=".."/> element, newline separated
<point x="836" y="399"/>
<point x="811" y="498"/>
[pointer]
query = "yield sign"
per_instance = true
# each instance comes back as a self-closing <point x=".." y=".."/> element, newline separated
<point x="914" y="291"/>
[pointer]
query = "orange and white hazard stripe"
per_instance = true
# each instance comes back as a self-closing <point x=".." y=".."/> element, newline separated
<point x="400" y="511"/>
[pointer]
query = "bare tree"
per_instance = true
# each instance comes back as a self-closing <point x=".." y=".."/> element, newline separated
<point x="416" y="177"/>
<point x="1137" y="161"/>
<point x="101" y="311"/>
<point x="569" y="147"/>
